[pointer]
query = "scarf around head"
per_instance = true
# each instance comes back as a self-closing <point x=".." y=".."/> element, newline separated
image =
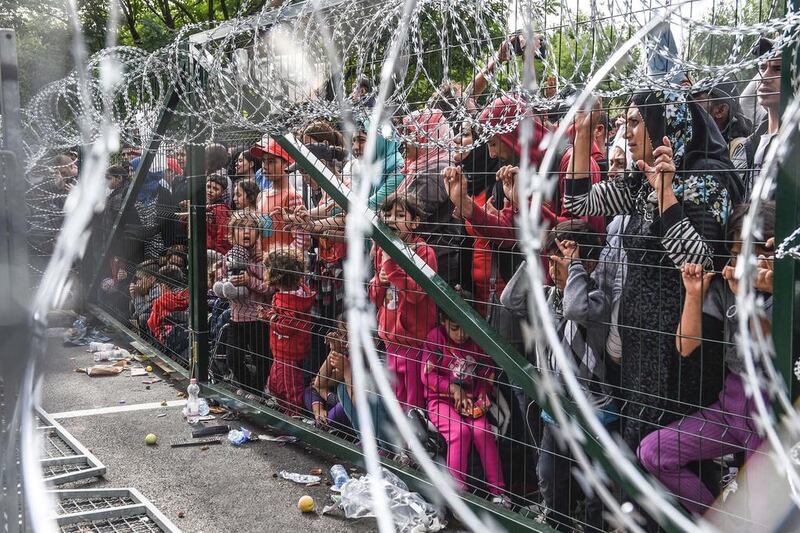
<point x="427" y="126"/>
<point x="508" y="111"/>
<point x="704" y="174"/>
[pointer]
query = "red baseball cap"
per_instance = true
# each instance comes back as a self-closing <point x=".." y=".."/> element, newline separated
<point x="269" y="146"/>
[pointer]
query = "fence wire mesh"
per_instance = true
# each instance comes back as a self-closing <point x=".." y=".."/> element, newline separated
<point x="631" y="235"/>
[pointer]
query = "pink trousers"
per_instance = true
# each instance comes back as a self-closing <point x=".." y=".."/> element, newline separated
<point x="405" y="363"/>
<point x="460" y="433"/>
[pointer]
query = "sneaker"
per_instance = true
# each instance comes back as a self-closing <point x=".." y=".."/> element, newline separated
<point x="502" y="500"/>
<point x="730" y="486"/>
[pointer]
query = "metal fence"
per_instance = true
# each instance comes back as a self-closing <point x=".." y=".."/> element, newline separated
<point x="230" y="257"/>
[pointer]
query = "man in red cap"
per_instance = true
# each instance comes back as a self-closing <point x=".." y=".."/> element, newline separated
<point x="275" y="201"/>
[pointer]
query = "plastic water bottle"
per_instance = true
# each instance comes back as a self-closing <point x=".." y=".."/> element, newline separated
<point x="193" y="403"/>
<point x="100" y="346"/>
<point x="339" y="476"/>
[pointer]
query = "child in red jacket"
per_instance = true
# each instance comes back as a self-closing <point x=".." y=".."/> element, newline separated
<point x="405" y="312"/>
<point x="290" y="328"/>
<point x="173" y="298"/>
<point x="218" y="214"/>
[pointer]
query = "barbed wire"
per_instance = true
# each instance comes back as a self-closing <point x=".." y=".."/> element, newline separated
<point x="262" y="74"/>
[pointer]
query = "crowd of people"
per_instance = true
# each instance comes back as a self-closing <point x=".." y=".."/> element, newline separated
<point x="639" y="262"/>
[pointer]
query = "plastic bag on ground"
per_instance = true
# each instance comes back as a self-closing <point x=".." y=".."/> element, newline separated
<point x="410" y="512"/>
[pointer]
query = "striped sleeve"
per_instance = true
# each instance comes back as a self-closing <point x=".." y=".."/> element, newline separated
<point x="682" y="241"/>
<point x="601" y="199"/>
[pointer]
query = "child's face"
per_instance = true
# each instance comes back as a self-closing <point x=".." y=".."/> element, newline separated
<point x="401" y="221"/>
<point x="146" y="281"/>
<point x="455" y="332"/>
<point x="239" y="198"/>
<point x="273" y="167"/>
<point x="213" y="191"/>
<point x="246" y="236"/>
<point x="359" y="142"/>
<point x="242" y="165"/>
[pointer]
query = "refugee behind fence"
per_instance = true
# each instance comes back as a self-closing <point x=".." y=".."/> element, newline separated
<point x="581" y="311"/>
<point x="278" y="200"/>
<point x="405" y="312"/>
<point x="173" y="297"/>
<point x="143" y="292"/>
<point x="678" y="198"/>
<point x="321" y="397"/>
<point x="728" y="426"/>
<point x="218" y="214"/>
<point x="423" y="180"/>
<point x="458" y="380"/>
<point x="245" y="194"/>
<point x="290" y="323"/>
<point x="242" y="281"/>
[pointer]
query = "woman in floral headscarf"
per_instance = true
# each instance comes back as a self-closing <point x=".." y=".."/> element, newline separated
<point x="422" y="173"/>
<point x="678" y="194"/>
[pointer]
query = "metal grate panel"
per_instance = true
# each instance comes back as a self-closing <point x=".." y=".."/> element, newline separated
<point x="108" y="510"/>
<point x="64" y="459"/>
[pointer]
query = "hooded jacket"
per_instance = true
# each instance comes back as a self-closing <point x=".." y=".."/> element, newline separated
<point x="405" y="312"/>
<point x="290" y="329"/>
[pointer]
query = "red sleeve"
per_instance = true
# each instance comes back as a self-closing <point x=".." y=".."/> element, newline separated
<point x="499" y="226"/>
<point x="405" y="283"/>
<point x="217" y="229"/>
<point x="157" y="315"/>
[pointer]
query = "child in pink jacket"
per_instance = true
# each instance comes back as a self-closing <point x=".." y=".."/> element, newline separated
<point x="405" y="312"/>
<point x="458" y="377"/>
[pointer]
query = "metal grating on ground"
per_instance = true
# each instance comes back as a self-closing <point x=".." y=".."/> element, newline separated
<point x="108" y="510"/>
<point x="64" y="459"/>
<point x="80" y="505"/>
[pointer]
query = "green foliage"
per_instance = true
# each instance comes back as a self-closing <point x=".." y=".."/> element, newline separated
<point x="716" y="49"/>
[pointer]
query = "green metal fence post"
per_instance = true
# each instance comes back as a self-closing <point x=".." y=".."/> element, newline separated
<point x="786" y="304"/>
<point x="198" y="279"/>
<point x="519" y="369"/>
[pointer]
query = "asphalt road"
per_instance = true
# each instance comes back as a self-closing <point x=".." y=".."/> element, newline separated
<point x="221" y="489"/>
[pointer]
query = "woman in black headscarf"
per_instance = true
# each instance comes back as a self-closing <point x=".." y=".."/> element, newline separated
<point x="679" y="193"/>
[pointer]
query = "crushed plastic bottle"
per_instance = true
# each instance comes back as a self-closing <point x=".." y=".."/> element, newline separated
<point x="202" y="407"/>
<point x="192" y="409"/>
<point x="237" y="437"/>
<point x="111" y="355"/>
<point x="410" y="512"/>
<point x="299" y="478"/>
<point x="339" y="477"/>
<point x="101" y="346"/>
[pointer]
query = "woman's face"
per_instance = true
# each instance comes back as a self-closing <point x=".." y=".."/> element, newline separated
<point x="500" y="150"/>
<point x="243" y="166"/>
<point x="637" y="136"/>
<point x="616" y="162"/>
<point x="359" y="142"/>
<point x="411" y="152"/>
<point x="240" y="198"/>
